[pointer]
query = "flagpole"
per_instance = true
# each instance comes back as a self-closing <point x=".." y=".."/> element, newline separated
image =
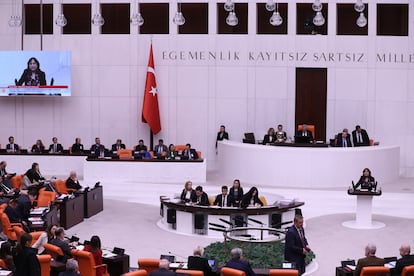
<point x="151" y="140"/>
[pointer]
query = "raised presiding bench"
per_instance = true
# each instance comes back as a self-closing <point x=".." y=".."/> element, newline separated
<point x="145" y="170"/>
<point x="213" y="221"/>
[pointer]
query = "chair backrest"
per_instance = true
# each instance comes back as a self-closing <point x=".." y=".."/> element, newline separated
<point x="283" y="272"/>
<point x="179" y="147"/>
<point x="263" y="200"/>
<point x="44" y="261"/>
<point x="149" y="264"/>
<point x="227" y="271"/>
<point x="45" y="198"/>
<point x="53" y="250"/>
<point x="17" y="181"/>
<point x="191" y="272"/>
<point x="86" y="262"/>
<point x="311" y="128"/>
<point x="3" y="264"/>
<point x="138" y="272"/>
<point x="124" y="154"/>
<point x="374" y="270"/>
<point x="408" y="271"/>
<point x="371" y="142"/>
<point x="7" y="227"/>
<point x="60" y="185"/>
<point x="199" y="154"/>
<point x="3" y="207"/>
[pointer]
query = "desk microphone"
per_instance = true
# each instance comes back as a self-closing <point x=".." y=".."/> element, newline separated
<point x="172" y="253"/>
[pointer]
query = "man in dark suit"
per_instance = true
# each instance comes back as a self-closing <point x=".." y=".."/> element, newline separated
<point x="200" y="198"/>
<point x="360" y="137"/>
<point x="305" y="132"/>
<point x="369" y="260"/>
<point x="224" y="199"/>
<point x="118" y="145"/>
<point x="222" y="134"/>
<point x="197" y="262"/>
<point x="343" y="139"/>
<point x="11" y="146"/>
<point x="141" y="150"/>
<point x="189" y="153"/>
<point x="72" y="182"/>
<point x="296" y="244"/>
<point x="160" y="150"/>
<point x="60" y="241"/>
<point x="97" y="149"/>
<point x="55" y="147"/>
<point x="77" y="147"/>
<point x="405" y="260"/>
<point x="237" y="262"/>
<point x="163" y="271"/>
<point x="72" y="268"/>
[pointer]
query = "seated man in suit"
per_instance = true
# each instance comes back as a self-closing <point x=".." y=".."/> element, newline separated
<point x="369" y="260"/>
<point x="344" y="139"/>
<point x="11" y="146"/>
<point x="223" y="199"/>
<point x="141" y="150"/>
<point x="72" y="182"/>
<point x="189" y="153"/>
<point x="118" y="145"/>
<point x="200" y="198"/>
<point x="164" y="269"/>
<point x="60" y="241"/>
<point x="77" y="147"/>
<point x="160" y="150"/>
<point x="237" y="262"/>
<point x="97" y="149"/>
<point x="360" y="137"/>
<point x="305" y="132"/>
<point x="197" y="262"/>
<point x="405" y="260"/>
<point x="55" y="147"/>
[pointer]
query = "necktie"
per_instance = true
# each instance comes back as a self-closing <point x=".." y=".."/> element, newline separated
<point x="359" y="138"/>
<point x="55" y="148"/>
<point x="302" y="238"/>
<point x="159" y="149"/>
<point x="224" y="201"/>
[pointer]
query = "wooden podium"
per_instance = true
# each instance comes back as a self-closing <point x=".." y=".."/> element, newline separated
<point x="363" y="210"/>
<point x="93" y="201"/>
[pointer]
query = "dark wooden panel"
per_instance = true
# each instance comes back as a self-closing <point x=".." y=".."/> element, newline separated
<point x="311" y="91"/>
<point x="304" y="19"/>
<point x="241" y="10"/>
<point x="79" y="18"/>
<point x="196" y="18"/>
<point x="346" y="17"/>
<point x="32" y="19"/>
<point x="392" y="19"/>
<point x="156" y="18"/>
<point x="116" y="18"/>
<point x="263" y="16"/>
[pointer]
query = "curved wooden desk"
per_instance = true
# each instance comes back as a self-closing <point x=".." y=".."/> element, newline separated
<point x="192" y="219"/>
<point x="310" y="167"/>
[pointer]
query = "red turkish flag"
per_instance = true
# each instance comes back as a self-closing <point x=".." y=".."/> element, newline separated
<point x="150" y="111"/>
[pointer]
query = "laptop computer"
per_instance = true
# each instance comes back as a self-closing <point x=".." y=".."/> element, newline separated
<point x="302" y="139"/>
<point x="170" y="258"/>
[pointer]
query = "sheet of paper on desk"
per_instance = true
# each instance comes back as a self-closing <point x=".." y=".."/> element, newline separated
<point x="5" y="272"/>
<point x="38" y="211"/>
<point x="107" y="254"/>
<point x="62" y="196"/>
<point x="390" y="264"/>
<point x="179" y="265"/>
<point x="80" y="247"/>
<point x="352" y="267"/>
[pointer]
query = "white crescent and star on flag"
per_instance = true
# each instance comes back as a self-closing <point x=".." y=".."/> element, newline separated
<point x="153" y="90"/>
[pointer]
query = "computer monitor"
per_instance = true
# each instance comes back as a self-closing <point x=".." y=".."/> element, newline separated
<point x="170" y="258"/>
<point x="302" y="139"/>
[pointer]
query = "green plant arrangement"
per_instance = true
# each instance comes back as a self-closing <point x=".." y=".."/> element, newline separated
<point x="260" y="255"/>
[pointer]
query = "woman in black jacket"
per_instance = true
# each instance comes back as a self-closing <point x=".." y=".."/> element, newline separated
<point x="251" y="199"/>
<point x="25" y="258"/>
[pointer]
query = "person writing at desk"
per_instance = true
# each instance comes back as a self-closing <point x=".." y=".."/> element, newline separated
<point x="366" y="181"/>
<point x="201" y="198"/>
<point x="32" y="76"/>
<point x="223" y="199"/>
<point x="251" y="199"/>
<point x="188" y="192"/>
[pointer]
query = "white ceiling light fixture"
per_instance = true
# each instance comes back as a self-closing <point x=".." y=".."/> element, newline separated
<point x="97" y="18"/>
<point x="276" y="19"/>
<point x="179" y="17"/>
<point x="15" y="19"/>
<point x="61" y="20"/>
<point x="136" y="17"/>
